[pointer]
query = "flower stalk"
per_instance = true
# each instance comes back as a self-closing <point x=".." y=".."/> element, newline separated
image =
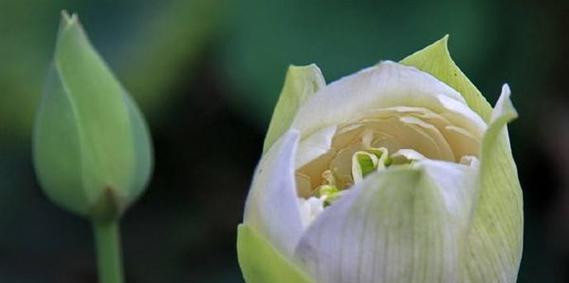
<point x="108" y="247"/>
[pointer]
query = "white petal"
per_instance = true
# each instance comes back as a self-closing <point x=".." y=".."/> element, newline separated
<point x="431" y="132"/>
<point x="387" y="84"/>
<point x="462" y="116"/>
<point x="272" y="205"/>
<point x="310" y="209"/>
<point x="405" y="155"/>
<point x="398" y="225"/>
<point x="314" y="146"/>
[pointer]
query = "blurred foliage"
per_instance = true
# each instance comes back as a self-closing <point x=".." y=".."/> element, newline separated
<point x="207" y="74"/>
<point x="341" y="38"/>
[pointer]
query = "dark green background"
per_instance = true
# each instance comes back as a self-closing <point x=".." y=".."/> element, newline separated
<point x="207" y="75"/>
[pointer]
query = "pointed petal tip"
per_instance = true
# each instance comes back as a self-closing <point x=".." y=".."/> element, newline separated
<point x="67" y="18"/>
<point x="300" y="83"/>
<point x="308" y="73"/>
<point x="65" y="15"/>
<point x="303" y="67"/>
<point x="70" y="24"/>
<point x="444" y="41"/>
<point x="504" y="107"/>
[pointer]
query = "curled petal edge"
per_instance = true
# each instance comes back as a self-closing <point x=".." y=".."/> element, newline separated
<point x="272" y="204"/>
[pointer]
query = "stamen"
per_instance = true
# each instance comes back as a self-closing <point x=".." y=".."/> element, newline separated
<point x="370" y="160"/>
<point x="329" y="178"/>
<point x="329" y="194"/>
<point x="363" y="163"/>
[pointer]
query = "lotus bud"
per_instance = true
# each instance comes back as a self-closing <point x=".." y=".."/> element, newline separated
<point x="401" y="172"/>
<point x="91" y="146"/>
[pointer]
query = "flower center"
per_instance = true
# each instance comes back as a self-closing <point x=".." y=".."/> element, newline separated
<point x="376" y="141"/>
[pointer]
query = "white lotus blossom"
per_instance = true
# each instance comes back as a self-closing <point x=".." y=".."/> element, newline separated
<point x="398" y="173"/>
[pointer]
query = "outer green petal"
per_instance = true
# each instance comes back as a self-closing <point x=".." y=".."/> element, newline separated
<point x="435" y="59"/>
<point x="495" y="242"/>
<point x="405" y="224"/>
<point x="300" y="82"/>
<point x="261" y="263"/>
<point x="142" y="147"/>
<point x="59" y="174"/>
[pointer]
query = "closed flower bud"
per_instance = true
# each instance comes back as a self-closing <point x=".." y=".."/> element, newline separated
<point x="401" y="172"/>
<point x="91" y="146"/>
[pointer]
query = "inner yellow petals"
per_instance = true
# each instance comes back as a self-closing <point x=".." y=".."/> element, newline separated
<point x="408" y="133"/>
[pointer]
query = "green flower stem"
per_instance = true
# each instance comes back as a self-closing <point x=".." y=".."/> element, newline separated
<point x="109" y="257"/>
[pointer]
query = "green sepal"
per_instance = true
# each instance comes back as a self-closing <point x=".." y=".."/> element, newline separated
<point x="435" y="59"/>
<point x="262" y="263"/>
<point x="91" y="146"/>
<point x="300" y="83"/>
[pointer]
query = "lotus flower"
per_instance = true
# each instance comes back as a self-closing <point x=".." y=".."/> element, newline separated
<point x="401" y="172"/>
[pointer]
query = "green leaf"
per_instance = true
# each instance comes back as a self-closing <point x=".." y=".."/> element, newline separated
<point x="92" y="149"/>
<point x="435" y="59"/>
<point x="300" y="83"/>
<point x="261" y="263"/>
